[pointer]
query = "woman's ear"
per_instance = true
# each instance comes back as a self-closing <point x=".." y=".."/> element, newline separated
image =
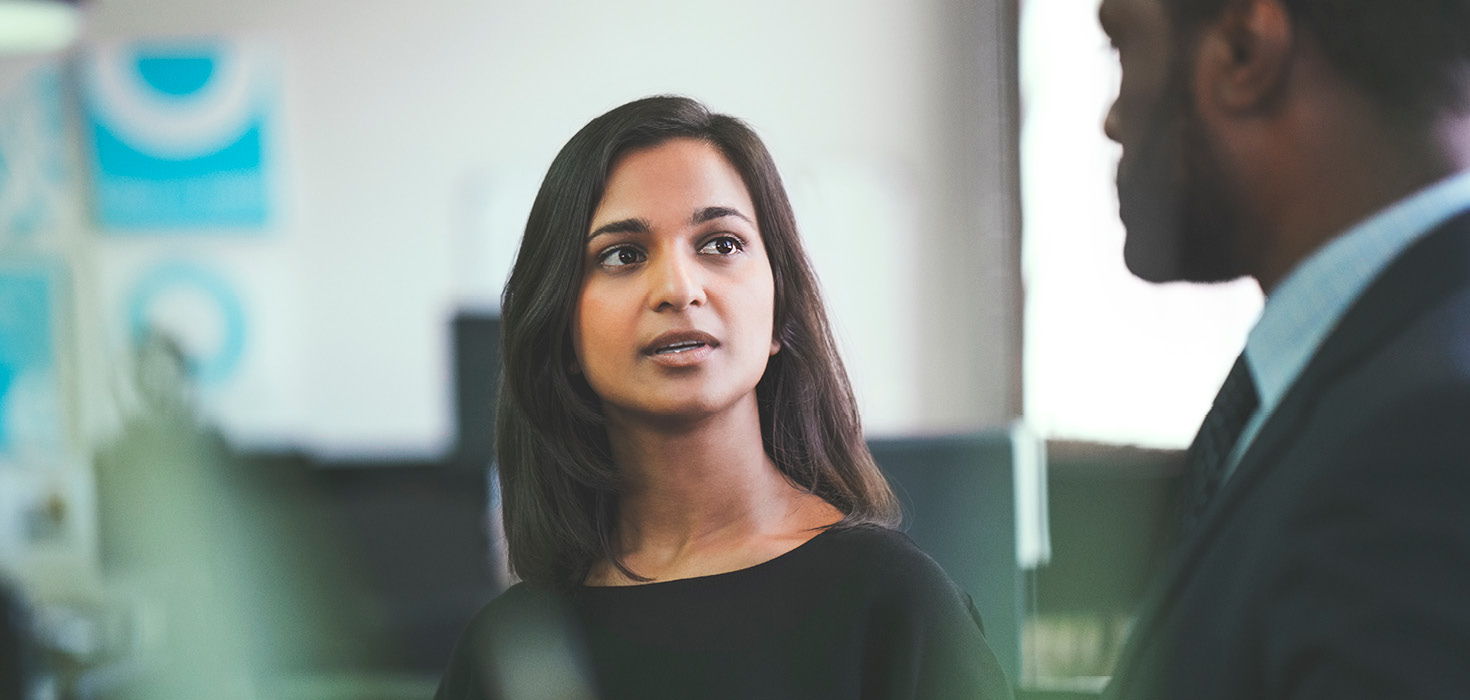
<point x="775" y="346"/>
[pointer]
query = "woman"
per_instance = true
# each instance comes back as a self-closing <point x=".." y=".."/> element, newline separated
<point x="688" y="498"/>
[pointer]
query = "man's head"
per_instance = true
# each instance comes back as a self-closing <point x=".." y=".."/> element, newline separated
<point x="1206" y="81"/>
<point x="1411" y="57"/>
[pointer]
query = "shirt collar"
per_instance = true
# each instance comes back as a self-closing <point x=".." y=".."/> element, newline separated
<point x="1308" y="303"/>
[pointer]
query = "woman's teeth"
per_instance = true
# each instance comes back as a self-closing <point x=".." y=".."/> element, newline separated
<point x="681" y="347"/>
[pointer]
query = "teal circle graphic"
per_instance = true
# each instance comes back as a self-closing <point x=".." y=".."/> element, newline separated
<point x="175" y="75"/>
<point x="172" y="276"/>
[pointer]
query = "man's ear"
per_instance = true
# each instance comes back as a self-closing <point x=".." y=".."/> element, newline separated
<point x="1244" y="57"/>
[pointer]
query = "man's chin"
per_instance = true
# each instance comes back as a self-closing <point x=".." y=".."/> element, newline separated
<point x="1153" y="273"/>
<point x="1150" y="248"/>
<point x="1160" y="264"/>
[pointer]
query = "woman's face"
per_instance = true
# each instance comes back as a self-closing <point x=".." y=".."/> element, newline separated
<point x="674" y="319"/>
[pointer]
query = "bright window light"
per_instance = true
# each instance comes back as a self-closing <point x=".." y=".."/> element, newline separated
<point x="1108" y="358"/>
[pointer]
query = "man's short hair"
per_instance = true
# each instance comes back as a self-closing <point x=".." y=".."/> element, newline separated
<point x="1412" y="57"/>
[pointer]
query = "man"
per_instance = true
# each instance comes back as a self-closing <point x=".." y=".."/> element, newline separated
<point x="1318" y="146"/>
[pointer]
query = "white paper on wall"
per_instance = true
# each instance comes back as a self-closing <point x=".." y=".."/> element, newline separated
<point x="228" y="309"/>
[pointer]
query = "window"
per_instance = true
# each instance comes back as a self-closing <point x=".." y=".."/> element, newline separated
<point x="1108" y="358"/>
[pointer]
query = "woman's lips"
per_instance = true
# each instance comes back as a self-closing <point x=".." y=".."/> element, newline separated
<point x="681" y="348"/>
<point x="683" y="355"/>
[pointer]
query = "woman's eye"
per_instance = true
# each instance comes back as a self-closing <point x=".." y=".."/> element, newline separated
<point x="620" y="256"/>
<point x="724" y="245"/>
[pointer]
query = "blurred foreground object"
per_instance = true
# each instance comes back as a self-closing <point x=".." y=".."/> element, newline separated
<point x="16" y="654"/>
<point x="191" y="546"/>
<point x="165" y="519"/>
<point x="275" y="576"/>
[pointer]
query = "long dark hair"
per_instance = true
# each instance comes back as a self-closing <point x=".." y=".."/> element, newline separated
<point x="558" y="482"/>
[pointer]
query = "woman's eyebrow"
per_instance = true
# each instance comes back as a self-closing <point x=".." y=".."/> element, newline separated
<point x="621" y="226"/>
<point x="638" y="225"/>
<point x="712" y="213"/>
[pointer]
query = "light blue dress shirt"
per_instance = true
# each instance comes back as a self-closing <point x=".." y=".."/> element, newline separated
<point x="1307" y="305"/>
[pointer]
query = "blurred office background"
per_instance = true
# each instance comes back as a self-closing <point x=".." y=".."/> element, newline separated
<point x="250" y="260"/>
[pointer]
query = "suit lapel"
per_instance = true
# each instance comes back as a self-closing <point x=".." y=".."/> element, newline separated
<point x="1429" y="270"/>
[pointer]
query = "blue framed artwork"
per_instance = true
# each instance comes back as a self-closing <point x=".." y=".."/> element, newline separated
<point x="32" y="163"/>
<point x="214" y="303"/>
<point x="178" y="135"/>
<point x="30" y="390"/>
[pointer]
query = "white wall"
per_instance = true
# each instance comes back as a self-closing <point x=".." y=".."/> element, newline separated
<point x="414" y="134"/>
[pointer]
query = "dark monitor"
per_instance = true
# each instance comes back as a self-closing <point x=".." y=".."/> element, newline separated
<point x="416" y="558"/>
<point x="959" y="495"/>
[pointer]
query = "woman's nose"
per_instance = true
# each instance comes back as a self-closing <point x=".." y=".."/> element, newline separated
<point x="677" y="283"/>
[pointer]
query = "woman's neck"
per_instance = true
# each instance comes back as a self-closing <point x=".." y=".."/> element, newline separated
<point x="697" y="491"/>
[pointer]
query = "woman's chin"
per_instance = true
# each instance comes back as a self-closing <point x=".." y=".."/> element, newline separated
<point x="679" y="410"/>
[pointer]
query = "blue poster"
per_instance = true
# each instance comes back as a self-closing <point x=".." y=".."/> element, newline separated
<point x="29" y="391"/>
<point x="32" y="172"/>
<point x="178" y="136"/>
<point x="212" y="301"/>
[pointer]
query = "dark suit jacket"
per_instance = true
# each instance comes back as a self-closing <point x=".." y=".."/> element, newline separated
<point x="1335" y="562"/>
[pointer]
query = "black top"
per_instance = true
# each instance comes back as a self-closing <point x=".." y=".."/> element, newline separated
<point x="857" y="612"/>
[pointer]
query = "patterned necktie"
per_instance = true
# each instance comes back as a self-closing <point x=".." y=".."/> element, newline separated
<point x="1205" y="463"/>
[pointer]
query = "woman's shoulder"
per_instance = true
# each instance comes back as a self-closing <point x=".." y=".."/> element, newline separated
<point x="881" y="550"/>
<point x="878" y="538"/>
<point x="520" y="602"/>
<point x="499" y="633"/>
<point x="917" y="611"/>
<point x="520" y="609"/>
<point x="889" y="564"/>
